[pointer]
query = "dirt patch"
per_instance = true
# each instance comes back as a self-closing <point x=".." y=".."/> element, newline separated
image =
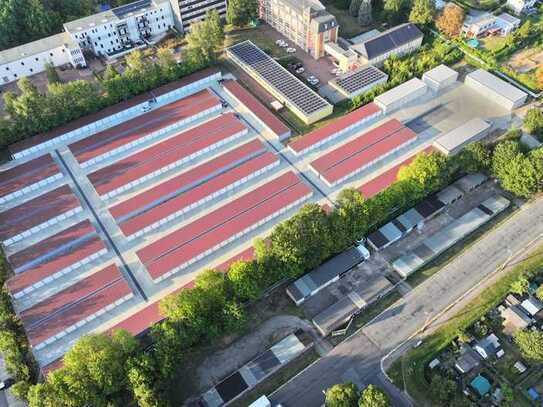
<point x="526" y="60"/>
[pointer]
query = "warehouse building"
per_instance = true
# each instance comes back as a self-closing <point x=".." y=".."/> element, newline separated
<point x="305" y="22"/>
<point x="436" y="244"/>
<point x="369" y="290"/>
<point x="496" y="89"/>
<point x="400" y="40"/>
<point x="402" y="94"/>
<point x="454" y="141"/>
<point x="289" y="90"/>
<point x="440" y="77"/>
<point x="359" y="81"/>
<point x="326" y="274"/>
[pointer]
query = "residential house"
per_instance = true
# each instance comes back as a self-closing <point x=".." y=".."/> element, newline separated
<point x="489" y="24"/>
<point x="488" y="346"/>
<point x="514" y="318"/>
<point x="532" y="306"/>
<point x="520" y="6"/>
<point x="468" y="360"/>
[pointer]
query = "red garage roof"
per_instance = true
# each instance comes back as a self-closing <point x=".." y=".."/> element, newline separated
<point x="196" y="194"/>
<point x="51" y="244"/>
<point x="36" y="211"/>
<point x="55" y="263"/>
<point x="327" y="161"/>
<point x="111" y="110"/>
<point x="369" y="155"/>
<point x="161" y="155"/>
<point x="74" y="304"/>
<point x="222" y="231"/>
<point x="143" y="125"/>
<point x="387" y="178"/>
<point x="26" y="174"/>
<point x="255" y="106"/>
<point x="187" y="179"/>
<point x="325" y="132"/>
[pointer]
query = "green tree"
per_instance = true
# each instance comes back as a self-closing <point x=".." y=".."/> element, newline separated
<point x="508" y="395"/>
<point x="52" y="74"/>
<point x="341" y="395"/>
<point x="373" y="396"/>
<point x="350" y="220"/>
<point x="428" y="171"/>
<point x="474" y="158"/>
<point x="514" y="170"/>
<point x="246" y="279"/>
<point x="523" y="31"/>
<point x="520" y="286"/>
<point x="204" y="39"/>
<point x="141" y="375"/>
<point x="354" y="7"/>
<point x="241" y="12"/>
<point x="442" y="388"/>
<point x="422" y="12"/>
<point x="393" y="10"/>
<point x="539" y="292"/>
<point x="530" y="344"/>
<point x="302" y="242"/>
<point x="533" y="122"/>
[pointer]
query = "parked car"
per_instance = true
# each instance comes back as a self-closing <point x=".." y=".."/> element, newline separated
<point x="313" y="80"/>
<point x="298" y="65"/>
<point x="300" y="70"/>
<point x="291" y="50"/>
<point x="6" y="384"/>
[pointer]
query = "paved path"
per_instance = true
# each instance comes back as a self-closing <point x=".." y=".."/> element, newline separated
<point x="360" y="355"/>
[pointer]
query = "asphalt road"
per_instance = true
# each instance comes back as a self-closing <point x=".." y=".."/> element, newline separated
<point x="358" y="358"/>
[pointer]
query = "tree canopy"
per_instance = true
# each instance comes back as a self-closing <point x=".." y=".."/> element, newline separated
<point x="341" y="395"/>
<point x="422" y="12"/>
<point x="372" y="396"/>
<point x="530" y="344"/>
<point x="450" y="21"/>
<point x="533" y="122"/>
<point x="241" y="12"/>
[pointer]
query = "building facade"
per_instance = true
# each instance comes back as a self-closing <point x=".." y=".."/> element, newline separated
<point x="187" y="12"/>
<point x="400" y="40"/>
<point x="32" y="58"/>
<point x="119" y="30"/>
<point x="489" y="24"/>
<point x="521" y="6"/>
<point x="305" y="22"/>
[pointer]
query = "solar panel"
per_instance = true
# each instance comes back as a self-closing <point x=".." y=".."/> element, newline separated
<point x="360" y="79"/>
<point x="391" y="39"/>
<point x="262" y="65"/>
<point x="123" y="10"/>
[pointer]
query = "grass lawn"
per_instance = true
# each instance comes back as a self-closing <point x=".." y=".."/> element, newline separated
<point x="492" y="43"/>
<point x="415" y="360"/>
<point x="258" y="37"/>
<point x="348" y="25"/>
<point x="277" y="379"/>
<point x="440" y="261"/>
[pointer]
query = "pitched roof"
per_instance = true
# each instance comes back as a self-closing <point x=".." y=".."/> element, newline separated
<point x="389" y="40"/>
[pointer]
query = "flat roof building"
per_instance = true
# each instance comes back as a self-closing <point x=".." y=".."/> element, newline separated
<point x="359" y="81"/>
<point x="454" y="141"/>
<point x="401" y="95"/>
<point x="440" y="77"/>
<point x="495" y="89"/>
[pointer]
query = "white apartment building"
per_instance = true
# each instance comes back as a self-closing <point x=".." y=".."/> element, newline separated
<point x="520" y="6"/>
<point x="119" y="30"/>
<point x="305" y="22"/>
<point x="489" y="24"/>
<point x="187" y="12"/>
<point x="31" y="58"/>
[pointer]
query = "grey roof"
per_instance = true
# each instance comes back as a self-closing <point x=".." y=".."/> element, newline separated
<point x="300" y="5"/>
<point x="509" y="18"/>
<point x="470" y="131"/>
<point x="324" y="274"/>
<point x="277" y="77"/>
<point x="325" y="21"/>
<point x="34" y="47"/>
<point x="411" y="88"/>
<point x="497" y="85"/>
<point x="440" y="73"/>
<point x="470" y="182"/>
<point x="410" y="219"/>
<point x="449" y="194"/>
<point x="468" y="360"/>
<point x="389" y="40"/>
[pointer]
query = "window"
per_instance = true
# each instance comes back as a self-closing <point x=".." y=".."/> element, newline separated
<point x="51" y="54"/>
<point x="31" y="70"/>
<point x="22" y="63"/>
<point x="7" y="68"/>
<point x="37" y="59"/>
<point x="15" y="74"/>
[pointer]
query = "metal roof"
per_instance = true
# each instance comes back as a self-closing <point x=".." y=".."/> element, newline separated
<point x="456" y="138"/>
<point x="401" y="91"/>
<point x="497" y="85"/>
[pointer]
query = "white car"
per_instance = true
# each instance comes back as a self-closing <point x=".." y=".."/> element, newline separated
<point x="279" y="42"/>
<point x="300" y="70"/>
<point x="291" y="50"/>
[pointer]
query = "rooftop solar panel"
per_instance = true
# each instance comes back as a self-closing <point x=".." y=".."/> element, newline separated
<point x="360" y="79"/>
<point x="278" y="77"/>
<point x="391" y="39"/>
<point x="129" y="8"/>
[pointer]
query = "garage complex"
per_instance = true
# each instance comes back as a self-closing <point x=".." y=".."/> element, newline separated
<point x="100" y="228"/>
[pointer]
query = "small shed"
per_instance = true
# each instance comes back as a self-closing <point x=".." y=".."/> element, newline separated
<point x="532" y="306"/>
<point x="470" y="182"/>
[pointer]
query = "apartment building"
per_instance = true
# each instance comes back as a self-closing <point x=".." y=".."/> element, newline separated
<point x="119" y="30"/>
<point x="32" y="58"/>
<point x="305" y="22"/>
<point x="187" y="12"/>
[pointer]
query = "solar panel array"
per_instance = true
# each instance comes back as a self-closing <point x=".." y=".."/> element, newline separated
<point x="391" y="39"/>
<point x="360" y="79"/>
<point x="129" y="8"/>
<point x="278" y="77"/>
